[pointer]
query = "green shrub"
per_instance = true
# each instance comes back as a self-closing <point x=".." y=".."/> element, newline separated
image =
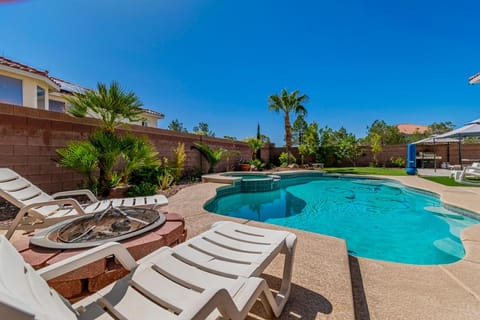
<point x="398" y="162"/>
<point x="283" y="158"/>
<point x="142" y="189"/>
<point x="148" y="174"/>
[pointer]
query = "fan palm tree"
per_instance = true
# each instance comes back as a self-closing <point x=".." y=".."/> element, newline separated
<point x="213" y="156"/>
<point x="112" y="104"/>
<point x="288" y="102"/>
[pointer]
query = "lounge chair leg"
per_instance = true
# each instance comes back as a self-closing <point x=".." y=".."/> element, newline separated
<point x="15" y="224"/>
<point x="289" y="250"/>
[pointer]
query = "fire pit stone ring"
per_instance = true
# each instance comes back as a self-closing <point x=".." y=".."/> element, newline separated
<point x="112" y="224"/>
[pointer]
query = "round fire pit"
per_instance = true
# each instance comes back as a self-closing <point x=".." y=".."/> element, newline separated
<point x="113" y="224"/>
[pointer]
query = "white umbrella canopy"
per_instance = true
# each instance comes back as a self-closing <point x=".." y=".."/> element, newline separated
<point x="435" y="139"/>
<point x="470" y="130"/>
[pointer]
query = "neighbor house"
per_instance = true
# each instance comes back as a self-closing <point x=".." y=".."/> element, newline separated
<point x="26" y="86"/>
<point x="409" y="129"/>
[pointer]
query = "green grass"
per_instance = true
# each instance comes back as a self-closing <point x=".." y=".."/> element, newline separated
<point x="368" y="171"/>
<point x="447" y="181"/>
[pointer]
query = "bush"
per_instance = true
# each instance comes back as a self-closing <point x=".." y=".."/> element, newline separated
<point x="179" y="157"/>
<point x="145" y="175"/>
<point x="283" y="158"/>
<point x="398" y="162"/>
<point x="142" y="189"/>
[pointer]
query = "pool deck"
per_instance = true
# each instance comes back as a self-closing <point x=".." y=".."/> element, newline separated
<point x="329" y="284"/>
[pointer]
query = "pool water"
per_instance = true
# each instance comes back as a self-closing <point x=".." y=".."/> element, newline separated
<point x="379" y="219"/>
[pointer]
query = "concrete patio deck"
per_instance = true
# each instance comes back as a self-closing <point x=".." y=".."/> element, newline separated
<point x="329" y="284"/>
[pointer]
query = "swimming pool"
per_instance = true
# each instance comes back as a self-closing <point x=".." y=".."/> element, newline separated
<point x="379" y="219"/>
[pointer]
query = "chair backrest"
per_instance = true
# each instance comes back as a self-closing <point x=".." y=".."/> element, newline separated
<point x="476" y="164"/>
<point x="18" y="190"/>
<point x="23" y="293"/>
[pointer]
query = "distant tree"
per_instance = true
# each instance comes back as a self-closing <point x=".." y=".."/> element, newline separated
<point x="299" y="128"/>
<point x="346" y="146"/>
<point x="440" y="127"/>
<point x="288" y="102"/>
<point x="311" y="141"/>
<point x="376" y="146"/>
<point x="388" y="134"/>
<point x="203" y="130"/>
<point x="230" y="138"/>
<point x="176" y="125"/>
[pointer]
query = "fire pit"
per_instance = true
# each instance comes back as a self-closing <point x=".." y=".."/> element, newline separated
<point x="112" y="224"/>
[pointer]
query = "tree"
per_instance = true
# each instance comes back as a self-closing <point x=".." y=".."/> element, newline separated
<point x="347" y="147"/>
<point x="213" y="156"/>
<point x="230" y="138"/>
<point x="288" y="102"/>
<point x="441" y="127"/>
<point x="254" y="144"/>
<point x="310" y="142"/>
<point x="203" y="130"/>
<point x="388" y="134"/>
<point x="112" y="104"/>
<point x="298" y="130"/>
<point x="176" y="125"/>
<point x="376" y="146"/>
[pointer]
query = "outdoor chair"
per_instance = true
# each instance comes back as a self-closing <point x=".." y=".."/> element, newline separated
<point x="473" y="171"/>
<point x="211" y="275"/>
<point x="37" y="207"/>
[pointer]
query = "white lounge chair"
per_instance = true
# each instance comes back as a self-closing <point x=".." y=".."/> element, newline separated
<point x="37" y="207"/>
<point x="167" y="284"/>
<point x="473" y="171"/>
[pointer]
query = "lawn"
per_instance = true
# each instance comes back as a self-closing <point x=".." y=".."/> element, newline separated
<point x="447" y="181"/>
<point x="368" y="171"/>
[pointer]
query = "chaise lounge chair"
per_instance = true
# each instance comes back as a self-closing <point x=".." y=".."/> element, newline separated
<point x="37" y="207"/>
<point x="473" y="171"/>
<point x="170" y="283"/>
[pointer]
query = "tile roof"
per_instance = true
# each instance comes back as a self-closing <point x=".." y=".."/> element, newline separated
<point x="17" y="65"/>
<point x="407" y="128"/>
<point x="474" y="79"/>
<point x="154" y="113"/>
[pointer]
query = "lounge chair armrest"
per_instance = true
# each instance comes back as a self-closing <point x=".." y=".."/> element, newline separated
<point x="74" y="203"/>
<point x="89" y="256"/>
<point x="81" y="192"/>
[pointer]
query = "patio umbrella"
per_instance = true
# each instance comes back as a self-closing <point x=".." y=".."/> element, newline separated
<point x="435" y="139"/>
<point x="471" y="129"/>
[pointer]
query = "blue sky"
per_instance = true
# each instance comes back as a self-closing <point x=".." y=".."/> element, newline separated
<point x="218" y="61"/>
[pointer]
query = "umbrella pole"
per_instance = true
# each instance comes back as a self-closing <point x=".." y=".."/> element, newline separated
<point x="460" y="152"/>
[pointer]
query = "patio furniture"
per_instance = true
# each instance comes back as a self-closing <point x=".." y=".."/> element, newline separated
<point x="464" y="176"/>
<point x="37" y="207"/>
<point x="170" y="283"/>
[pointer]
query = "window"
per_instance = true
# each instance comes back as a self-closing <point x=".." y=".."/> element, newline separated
<point x="145" y="123"/>
<point x="40" y="98"/>
<point x="57" y="106"/>
<point x="11" y="90"/>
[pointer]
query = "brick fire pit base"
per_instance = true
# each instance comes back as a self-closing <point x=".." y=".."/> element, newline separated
<point x="91" y="278"/>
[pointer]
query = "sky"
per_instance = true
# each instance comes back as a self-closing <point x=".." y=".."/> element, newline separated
<point x="218" y="61"/>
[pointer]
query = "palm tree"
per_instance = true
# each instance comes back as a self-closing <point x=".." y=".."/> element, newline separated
<point x="112" y="104"/>
<point x="213" y="156"/>
<point x="287" y="102"/>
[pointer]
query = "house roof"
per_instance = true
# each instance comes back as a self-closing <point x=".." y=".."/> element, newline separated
<point x="23" y="68"/>
<point x="474" y="79"/>
<point x="408" y="128"/>
<point x="69" y="87"/>
<point x="62" y="85"/>
<point x="154" y="113"/>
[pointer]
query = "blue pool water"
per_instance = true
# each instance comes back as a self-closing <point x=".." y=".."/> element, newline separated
<point x="379" y="219"/>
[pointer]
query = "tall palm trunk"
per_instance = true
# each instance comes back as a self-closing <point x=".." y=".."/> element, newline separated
<point x="288" y="136"/>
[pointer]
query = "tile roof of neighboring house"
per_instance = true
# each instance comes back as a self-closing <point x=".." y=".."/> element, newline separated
<point x="17" y="65"/>
<point x="154" y="113"/>
<point x="406" y="128"/>
<point x="474" y="79"/>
